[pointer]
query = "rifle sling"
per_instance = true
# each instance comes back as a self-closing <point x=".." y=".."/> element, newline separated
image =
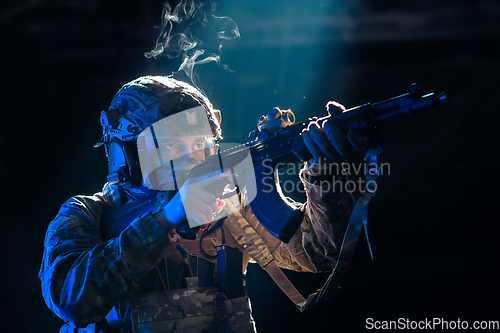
<point x="284" y="283"/>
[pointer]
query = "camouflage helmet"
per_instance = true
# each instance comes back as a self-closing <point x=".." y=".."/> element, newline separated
<point x="149" y="99"/>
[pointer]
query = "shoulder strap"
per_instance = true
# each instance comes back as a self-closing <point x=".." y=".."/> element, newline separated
<point x="256" y="248"/>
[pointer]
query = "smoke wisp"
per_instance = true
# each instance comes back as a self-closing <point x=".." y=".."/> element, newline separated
<point x="191" y="30"/>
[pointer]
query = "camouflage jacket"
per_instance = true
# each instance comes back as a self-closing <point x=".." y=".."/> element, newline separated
<point x="84" y="279"/>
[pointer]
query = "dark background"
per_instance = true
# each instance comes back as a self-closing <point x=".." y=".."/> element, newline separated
<point x="433" y="223"/>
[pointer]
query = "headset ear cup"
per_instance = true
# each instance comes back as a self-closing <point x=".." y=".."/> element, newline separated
<point x="134" y="169"/>
<point x="123" y="163"/>
<point x="116" y="157"/>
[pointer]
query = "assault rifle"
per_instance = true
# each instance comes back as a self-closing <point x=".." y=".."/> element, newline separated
<point x="274" y="150"/>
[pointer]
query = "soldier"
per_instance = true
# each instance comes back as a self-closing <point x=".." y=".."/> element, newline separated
<point x="147" y="278"/>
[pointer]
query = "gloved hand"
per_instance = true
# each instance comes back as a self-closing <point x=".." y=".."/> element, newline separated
<point x="191" y="203"/>
<point x="328" y="143"/>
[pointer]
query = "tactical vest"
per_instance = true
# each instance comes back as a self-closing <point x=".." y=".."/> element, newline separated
<point x="182" y="294"/>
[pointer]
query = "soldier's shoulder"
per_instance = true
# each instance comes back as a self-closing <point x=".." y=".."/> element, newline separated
<point x="77" y="211"/>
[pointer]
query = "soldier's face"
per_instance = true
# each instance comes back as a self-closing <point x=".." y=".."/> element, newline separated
<point x="171" y="147"/>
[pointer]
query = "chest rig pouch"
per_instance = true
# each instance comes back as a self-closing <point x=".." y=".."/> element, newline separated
<point x="191" y="310"/>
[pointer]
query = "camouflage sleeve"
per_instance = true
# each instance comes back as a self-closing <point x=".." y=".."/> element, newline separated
<point x="82" y="276"/>
<point x="315" y="245"/>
